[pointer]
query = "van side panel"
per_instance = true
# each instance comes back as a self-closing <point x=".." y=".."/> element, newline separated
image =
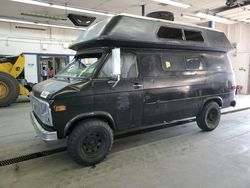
<point x="179" y="91"/>
<point x="220" y="77"/>
<point x="167" y="87"/>
<point x="172" y="89"/>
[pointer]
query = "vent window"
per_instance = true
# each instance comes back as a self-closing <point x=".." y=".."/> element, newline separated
<point x="193" y="36"/>
<point x="170" y="33"/>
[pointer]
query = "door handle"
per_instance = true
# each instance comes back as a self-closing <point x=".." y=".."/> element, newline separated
<point x="111" y="81"/>
<point x="194" y="73"/>
<point x="191" y="73"/>
<point x="137" y="86"/>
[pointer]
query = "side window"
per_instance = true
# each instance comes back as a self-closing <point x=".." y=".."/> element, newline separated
<point x="170" y="33"/>
<point x="217" y="62"/>
<point x="193" y="36"/>
<point x="151" y="64"/>
<point x="106" y="71"/>
<point x="173" y="62"/>
<point x="129" y="68"/>
<point x="194" y="63"/>
<point x="129" y="65"/>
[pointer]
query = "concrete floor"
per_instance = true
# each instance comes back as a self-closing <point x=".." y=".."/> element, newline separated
<point x="180" y="156"/>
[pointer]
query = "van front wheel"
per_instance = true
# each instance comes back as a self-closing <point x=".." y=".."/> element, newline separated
<point x="209" y="117"/>
<point x="90" y="141"/>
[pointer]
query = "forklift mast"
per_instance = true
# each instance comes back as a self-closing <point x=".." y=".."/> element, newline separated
<point x="13" y="65"/>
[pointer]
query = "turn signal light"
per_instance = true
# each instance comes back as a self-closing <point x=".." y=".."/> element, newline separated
<point x="59" y="108"/>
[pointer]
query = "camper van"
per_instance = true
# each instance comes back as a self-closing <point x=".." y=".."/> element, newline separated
<point x="130" y="73"/>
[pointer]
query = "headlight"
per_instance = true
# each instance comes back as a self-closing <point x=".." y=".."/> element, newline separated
<point x="45" y="116"/>
<point x="42" y="110"/>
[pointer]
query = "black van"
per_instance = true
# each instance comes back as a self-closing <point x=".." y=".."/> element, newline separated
<point x="130" y="73"/>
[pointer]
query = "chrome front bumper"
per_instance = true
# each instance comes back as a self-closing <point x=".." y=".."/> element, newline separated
<point x="41" y="132"/>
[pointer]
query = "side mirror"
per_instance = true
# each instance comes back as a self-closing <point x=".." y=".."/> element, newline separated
<point x="116" y="61"/>
<point x="116" y="64"/>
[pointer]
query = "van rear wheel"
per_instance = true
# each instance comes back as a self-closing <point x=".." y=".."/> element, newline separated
<point x="209" y="117"/>
<point x="90" y="141"/>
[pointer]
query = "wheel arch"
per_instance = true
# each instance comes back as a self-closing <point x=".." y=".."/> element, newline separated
<point x="81" y="117"/>
<point x="216" y="99"/>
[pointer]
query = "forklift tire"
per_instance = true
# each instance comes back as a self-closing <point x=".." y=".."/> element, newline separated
<point x="209" y="118"/>
<point x="9" y="89"/>
<point x="90" y="141"/>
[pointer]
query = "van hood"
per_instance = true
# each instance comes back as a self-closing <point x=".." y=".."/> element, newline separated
<point x="56" y="87"/>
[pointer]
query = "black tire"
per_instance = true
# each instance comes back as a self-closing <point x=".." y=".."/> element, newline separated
<point x="90" y="141"/>
<point x="9" y="89"/>
<point x="209" y="118"/>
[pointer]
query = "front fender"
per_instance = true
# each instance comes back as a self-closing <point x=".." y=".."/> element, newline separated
<point x="96" y="114"/>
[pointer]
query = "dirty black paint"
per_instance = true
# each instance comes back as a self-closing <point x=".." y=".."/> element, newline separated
<point x="165" y="89"/>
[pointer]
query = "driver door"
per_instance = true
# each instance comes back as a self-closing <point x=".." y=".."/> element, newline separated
<point x="124" y="101"/>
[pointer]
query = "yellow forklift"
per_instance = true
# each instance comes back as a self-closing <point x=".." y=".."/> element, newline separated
<point x="12" y="81"/>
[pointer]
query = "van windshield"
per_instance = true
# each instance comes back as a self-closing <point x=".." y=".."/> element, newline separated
<point x="81" y="67"/>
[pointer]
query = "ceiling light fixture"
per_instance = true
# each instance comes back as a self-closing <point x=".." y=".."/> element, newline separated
<point x="173" y="3"/>
<point x="39" y="24"/>
<point x="62" y="7"/>
<point x="190" y="17"/>
<point x="30" y="28"/>
<point x="247" y="20"/>
<point x="214" y="18"/>
<point x="44" y="16"/>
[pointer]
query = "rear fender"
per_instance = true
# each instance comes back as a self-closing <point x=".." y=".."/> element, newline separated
<point x="215" y="99"/>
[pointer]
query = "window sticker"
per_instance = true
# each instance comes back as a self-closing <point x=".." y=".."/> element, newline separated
<point x="167" y="64"/>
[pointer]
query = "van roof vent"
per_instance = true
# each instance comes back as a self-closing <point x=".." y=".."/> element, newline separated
<point x="165" y="15"/>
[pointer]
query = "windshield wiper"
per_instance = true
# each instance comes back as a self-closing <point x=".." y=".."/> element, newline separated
<point x="63" y="77"/>
<point x="68" y="78"/>
<point x="80" y="78"/>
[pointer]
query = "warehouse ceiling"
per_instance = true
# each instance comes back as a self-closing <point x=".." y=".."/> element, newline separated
<point x="19" y="9"/>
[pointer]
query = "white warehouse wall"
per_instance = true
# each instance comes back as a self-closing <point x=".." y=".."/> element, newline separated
<point x="30" y="68"/>
<point x="221" y="27"/>
<point x="238" y="34"/>
<point x="14" y="41"/>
